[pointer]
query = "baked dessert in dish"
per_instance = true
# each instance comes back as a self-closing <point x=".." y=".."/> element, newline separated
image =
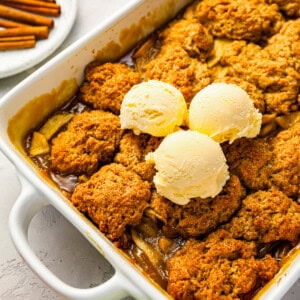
<point x="223" y="247"/>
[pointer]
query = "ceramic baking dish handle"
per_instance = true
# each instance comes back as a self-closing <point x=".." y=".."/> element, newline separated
<point x="27" y="205"/>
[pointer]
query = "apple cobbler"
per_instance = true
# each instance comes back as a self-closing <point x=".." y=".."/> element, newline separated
<point x="223" y="247"/>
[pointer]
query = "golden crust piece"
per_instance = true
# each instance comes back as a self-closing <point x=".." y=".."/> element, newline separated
<point x="286" y="161"/>
<point x="266" y="216"/>
<point x="277" y="79"/>
<point x="89" y="141"/>
<point x="173" y="65"/>
<point x="132" y="151"/>
<point x="238" y="19"/>
<point x="285" y="45"/>
<point x="272" y="70"/>
<point x="249" y="160"/>
<point x="199" y="216"/>
<point x="220" y="269"/>
<point x="261" y="164"/>
<point x="106" y="84"/>
<point x="113" y="198"/>
<point x="191" y="35"/>
<point x="291" y="8"/>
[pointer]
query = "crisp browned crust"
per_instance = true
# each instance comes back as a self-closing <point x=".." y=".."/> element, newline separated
<point x="193" y="37"/>
<point x="113" y="198"/>
<point x="132" y="151"/>
<point x="291" y="8"/>
<point x="255" y="64"/>
<point x="173" y="65"/>
<point x="265" y="217"/>
<point x="249" y="160"/>
<point x="217" y="269"/>
<point x="261" y="163"/>
<point x="286" y="161"/>
<point x="106" y="84"/>
<point x="239" y="20"/>
<point x="285" y="45"/>
<point x="199" y="216"/>
<point x="89" y="141"/>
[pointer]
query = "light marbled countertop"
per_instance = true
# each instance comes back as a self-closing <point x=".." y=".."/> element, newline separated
<point x="57" y="243"/>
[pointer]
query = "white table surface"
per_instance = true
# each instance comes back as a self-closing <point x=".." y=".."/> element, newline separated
<point x="53" y="238"/>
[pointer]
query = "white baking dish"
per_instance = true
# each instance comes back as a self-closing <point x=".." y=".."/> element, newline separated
<point x="50" y="86"/>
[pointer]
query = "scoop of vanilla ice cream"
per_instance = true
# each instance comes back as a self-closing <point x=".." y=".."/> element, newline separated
<point x="189" y="165"/>
<point x="153" y="107"/>
<point x="225" y="112"/>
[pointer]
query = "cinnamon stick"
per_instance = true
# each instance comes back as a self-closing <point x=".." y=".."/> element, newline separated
<point x="40" y="32"/>
<point x="19" y="42"/>
<point x="36" y="9"/>
<point x="10" y="24"/>
<point x="25" y="17"/>
<point x="39" y="3"/>
<point x="45" y="8"/>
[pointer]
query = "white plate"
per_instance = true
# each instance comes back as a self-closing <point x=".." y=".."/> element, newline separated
<point x="15" y="61"/>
